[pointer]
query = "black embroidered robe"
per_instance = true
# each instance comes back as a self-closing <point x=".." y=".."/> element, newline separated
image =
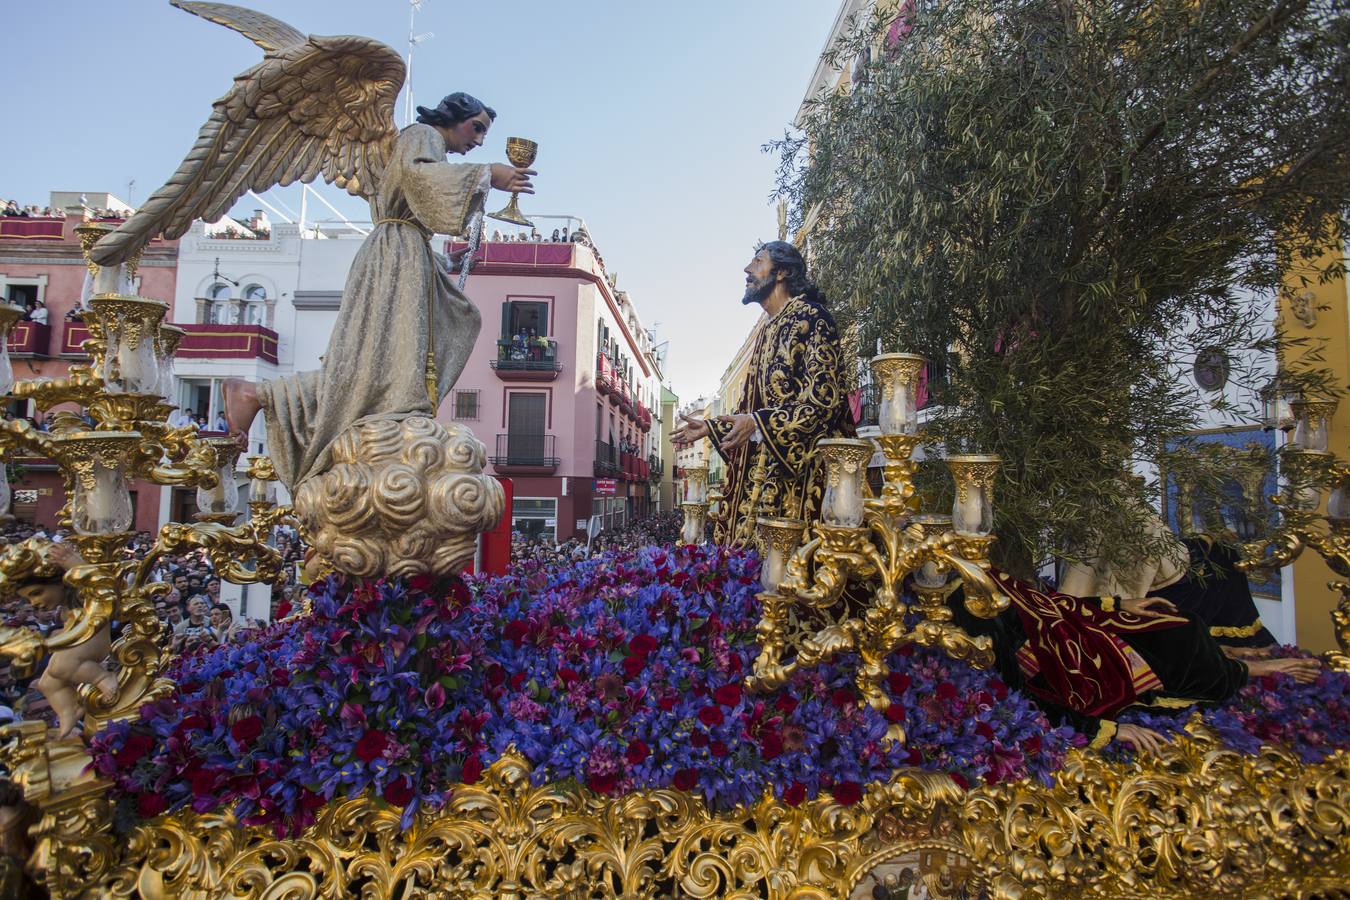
<point x="795" y="390"/>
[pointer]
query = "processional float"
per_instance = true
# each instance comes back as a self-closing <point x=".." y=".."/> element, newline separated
<point x="1200" y="819"/>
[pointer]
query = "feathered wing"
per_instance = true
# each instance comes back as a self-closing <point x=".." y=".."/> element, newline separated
<point x="323" y="107"/>
<point x="260" y="28"/>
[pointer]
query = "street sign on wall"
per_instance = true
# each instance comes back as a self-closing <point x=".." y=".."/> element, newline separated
<point x="606" y="486"/>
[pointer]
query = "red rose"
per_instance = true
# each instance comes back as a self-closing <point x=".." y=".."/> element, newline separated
<point x="698" y="739"/>
<point x="642" y="645"/>
<point x="913" y="757"/>
<point x="718" y="749"/>
<point x="710" y="716"/>
<point x="984" y="730"/>
<point x="203" y="783"/>
<point x="685" y="779"/>
<point x="496" y="675"/>
<point x="137" y="745"/>
<point x="999" y="688"/>
<point x="637" y="751"/>
<point x="420" y="583"/>
<point x="517" y="680"/>
<point x="984" y="698"/>
<point x="898" y="682"/>
<point x="786" y="703"/>
<point x="633" y="666"/>
<point x="151" y="804"/>
<point x="515" y="630"/>
<point x="728" y="694"/>
<point x="770" y="745"/>
<point x="667" y="703"/>
<point x="847" y="793"/>
<point x="946" y="691"/>
<point x="895" y="713"/>
<point x="907" y="650"/>
<point x="473" y="768"/>
<point x="795" y="793"/>
<point x="843" y="697"/>
<point x="193" y="722"/>
<point x="399" y="792"/>
<point x="246" y="729"/>
<point x="568" y="677"/>
<point x="960" y="780"/>
<point x="603" y="784"/>
<point x="371" y="746"/>
<point x="1032" y="745"/>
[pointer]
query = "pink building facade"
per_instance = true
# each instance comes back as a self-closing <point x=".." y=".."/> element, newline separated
<point x="41" y="263"/>
<point x="564" y="388"/>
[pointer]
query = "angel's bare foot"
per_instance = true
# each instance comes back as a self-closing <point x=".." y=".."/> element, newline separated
<point x="107" y="686"/>
<point x="241" y="408"/>
<point x="1301" y="669"/>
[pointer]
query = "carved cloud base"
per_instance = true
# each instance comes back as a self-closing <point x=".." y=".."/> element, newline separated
<point x="402" y="497"/>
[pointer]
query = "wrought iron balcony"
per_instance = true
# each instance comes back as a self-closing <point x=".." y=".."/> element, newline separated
<point x="527" y="361"/>
<point x="525" y="454"/>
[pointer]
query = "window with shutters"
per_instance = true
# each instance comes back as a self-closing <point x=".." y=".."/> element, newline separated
<point x="525" y="420"/>
<point x="466" y="406"/>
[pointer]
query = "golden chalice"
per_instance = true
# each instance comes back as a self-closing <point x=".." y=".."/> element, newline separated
<point x="521" y="153"/>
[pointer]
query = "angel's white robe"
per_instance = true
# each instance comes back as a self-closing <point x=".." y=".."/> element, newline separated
<point x="399" y="296"/>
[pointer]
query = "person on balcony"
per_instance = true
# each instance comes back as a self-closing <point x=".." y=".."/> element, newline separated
<point x="794" y="396"/>
<point x="38" y="312"/>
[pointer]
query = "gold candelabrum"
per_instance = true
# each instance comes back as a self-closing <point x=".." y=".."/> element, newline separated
<point x="108" y="425"/>
<point x="696" y="503"/>
<point x="1310" y="473"/>
<point x="875" y="544"/>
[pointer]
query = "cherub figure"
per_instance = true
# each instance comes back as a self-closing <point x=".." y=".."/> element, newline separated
<point x="44" y="588"/>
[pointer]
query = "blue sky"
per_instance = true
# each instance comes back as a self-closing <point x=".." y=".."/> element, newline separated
<point x="650" y="118"/>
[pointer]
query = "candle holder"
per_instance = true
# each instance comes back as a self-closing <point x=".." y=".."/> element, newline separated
<point x="219" y="502"/>
<point x="973" y="506"/>
<point x="1312" y="424"/>
<point x="695" y="522"/>
<point x="696" y="485"/>
<point x="778" y="539"/>
<point x="877" y="547"/>
<point x="897" y="376"/>
<point x="845" y="461"/>
<point x="130" y="332"/>
<point x="167" y="341"/>
<point x="95" y="465"/>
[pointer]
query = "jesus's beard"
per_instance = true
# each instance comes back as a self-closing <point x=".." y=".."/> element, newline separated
<point x="757" y="292"/>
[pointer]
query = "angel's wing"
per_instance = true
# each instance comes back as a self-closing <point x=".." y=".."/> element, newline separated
<point x="316" y="107"/>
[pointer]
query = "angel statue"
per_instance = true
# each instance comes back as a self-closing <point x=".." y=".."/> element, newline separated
<point x="323" y="107"/>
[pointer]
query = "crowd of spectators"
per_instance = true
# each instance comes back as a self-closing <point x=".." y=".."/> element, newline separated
<point x="191" y="607"/>
<point x="534" y="236"/>
<point x="658" y="528"/>
<point x="182" y="418"/>
<point x="12" y="209"/>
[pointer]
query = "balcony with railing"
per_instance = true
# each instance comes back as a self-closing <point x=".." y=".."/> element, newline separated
<point x="606" y="460"/>
<point x="534" y="359"/>
<point x="655" y="467"/>
<point x="525" y="454"/>
<point x="201" y="341"/>
<point x="605" y="376"/>
<point x="28" y="339"/>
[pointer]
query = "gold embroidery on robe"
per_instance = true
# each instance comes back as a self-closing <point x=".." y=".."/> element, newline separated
<point x="795" y="390"/>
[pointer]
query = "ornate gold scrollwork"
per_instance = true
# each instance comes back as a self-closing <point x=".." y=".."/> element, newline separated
<point x="879" y="555"/>
<point x="1199" y="820"/>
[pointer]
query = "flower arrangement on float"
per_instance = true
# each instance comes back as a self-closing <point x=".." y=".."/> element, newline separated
<point x="621" y="672"/>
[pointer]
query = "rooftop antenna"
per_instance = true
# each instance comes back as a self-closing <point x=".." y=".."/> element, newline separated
<point x="414" y="7"/>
